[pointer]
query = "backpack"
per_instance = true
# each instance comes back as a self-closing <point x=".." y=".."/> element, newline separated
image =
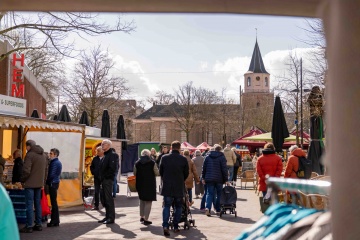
<point x="305" y="168"/>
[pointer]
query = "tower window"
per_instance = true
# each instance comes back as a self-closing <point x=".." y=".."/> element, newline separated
<point x="248" y="81"/>
<point x="266" y="82"/>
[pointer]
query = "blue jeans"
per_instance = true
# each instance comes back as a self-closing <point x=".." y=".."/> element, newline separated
<point x="203" y="199"/>
<point x="114" y="187"/>
<point x="212" y="189"/>
<point x="32" y="198"/>
<point x="231" y="172"/>
<point x="166" y="211"/>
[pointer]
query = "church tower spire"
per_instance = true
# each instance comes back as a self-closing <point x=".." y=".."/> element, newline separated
<point x="257" y="64"/>
<point x="256" y="79"/>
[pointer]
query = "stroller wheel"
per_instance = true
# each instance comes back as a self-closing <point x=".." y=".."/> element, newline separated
<point x="235" y="214"/>
<point x="193" y="223"/>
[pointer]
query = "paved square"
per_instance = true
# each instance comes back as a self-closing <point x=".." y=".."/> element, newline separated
<point x="82" y="224"/>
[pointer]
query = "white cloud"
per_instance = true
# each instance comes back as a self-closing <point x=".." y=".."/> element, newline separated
<point x="134" y="73"/>
<point x="233" y="69"/>
<point x="203" y="65"/>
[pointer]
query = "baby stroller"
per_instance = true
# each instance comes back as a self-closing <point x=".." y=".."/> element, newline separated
<point x="186" y="216"/>
<point x="228" y="200"/>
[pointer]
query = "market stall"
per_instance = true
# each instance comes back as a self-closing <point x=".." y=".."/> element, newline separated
<point x="67" y="137"/>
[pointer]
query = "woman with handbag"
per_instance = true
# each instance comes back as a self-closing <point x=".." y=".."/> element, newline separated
<point x="146" y="170"/>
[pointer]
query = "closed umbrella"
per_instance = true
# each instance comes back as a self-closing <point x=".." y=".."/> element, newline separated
<point x="105" y="124"/>
<point x="279" y="129"/>
<point x="120" y="133"/>
<point x="35" y="114"/>
<point x="84" y="119"/>
<point x="64" y="115"/>
<point x="316" y="147"/>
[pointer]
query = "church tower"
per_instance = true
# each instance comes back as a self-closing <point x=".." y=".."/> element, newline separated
<point x="257" y="101"/>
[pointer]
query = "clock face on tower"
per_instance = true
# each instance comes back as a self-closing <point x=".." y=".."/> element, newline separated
<point x="258" y="78"/>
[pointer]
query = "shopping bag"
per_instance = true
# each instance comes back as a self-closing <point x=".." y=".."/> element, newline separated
<point x="132" y="183"/>
<point x="44" y="204"/>
<point x="263" y="205"/>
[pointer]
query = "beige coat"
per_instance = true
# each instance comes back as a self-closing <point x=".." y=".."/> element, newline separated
<point x="189" y="182"/>
<point x="230" y="156"/>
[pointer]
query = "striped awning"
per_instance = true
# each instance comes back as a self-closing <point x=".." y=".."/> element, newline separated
<point x="15" y="121"/>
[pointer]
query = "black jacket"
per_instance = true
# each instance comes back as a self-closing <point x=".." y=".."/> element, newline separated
<point x="109" y="165"/>
<point x="238" y="162"/>
<point x="17" y="169"/>
<point x="174" y="169"/>
<point x="95" y="167"/>
<point x="145" y="178"/>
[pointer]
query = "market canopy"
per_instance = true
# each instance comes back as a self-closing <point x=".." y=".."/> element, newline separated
<point x="267" y="137"/>
<point x="241" y="142"/>
<point x="203" y="146"/>
<point x="303" y="134"/>
<point x="186" y="145"/>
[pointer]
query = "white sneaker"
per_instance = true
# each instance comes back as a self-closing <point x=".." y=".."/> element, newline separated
<point x="207" y="212"/>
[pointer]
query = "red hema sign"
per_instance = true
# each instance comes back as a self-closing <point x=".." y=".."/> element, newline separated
<point x="17" y="86"/>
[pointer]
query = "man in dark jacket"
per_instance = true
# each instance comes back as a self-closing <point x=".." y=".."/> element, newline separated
<point x="32" y="176"/>
<point x="107" y="171"/>
<point x="53" y="181"/>
<point x="174" y="169"/>
<point x="18" y="165"/>
<point x="214" y="175"/>
<point x="164" y="151"/>
<point x="95" y="171"/>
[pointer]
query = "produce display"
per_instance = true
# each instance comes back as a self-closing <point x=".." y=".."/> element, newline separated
<point x="17" y="185"/>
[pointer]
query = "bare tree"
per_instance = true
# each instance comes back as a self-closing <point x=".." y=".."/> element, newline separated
<point x="289" y="88"/>
<point x="161" y="98"/>
<point x="194" y="108"/>
<point x="44" y="38"/>
<point x="92" y="87"/>
<point x="226" y="118"/>
<point x="316" y="39"/>
<point x="53" y="29"/>
<point x="186" y="114"/>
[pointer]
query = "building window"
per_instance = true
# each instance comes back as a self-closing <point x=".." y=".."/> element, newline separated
<point x="163" y="133"/>
<point x="248" y="82"/>
<point x="258" y="104"/>
<point x="183" y="136"/>
<point x="266" y="82"/>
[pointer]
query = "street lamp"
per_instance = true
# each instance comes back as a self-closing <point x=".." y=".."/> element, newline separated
<point x="301" y="90"/>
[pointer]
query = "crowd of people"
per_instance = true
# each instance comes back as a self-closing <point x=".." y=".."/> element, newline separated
<point x="180" y="172"/>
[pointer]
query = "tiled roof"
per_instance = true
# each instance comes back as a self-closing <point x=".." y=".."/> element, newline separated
<point x="257" y="64"/>
<point x="169" y="110"/>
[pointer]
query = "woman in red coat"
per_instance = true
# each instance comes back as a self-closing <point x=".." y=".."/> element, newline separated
<point x="268" y="163"/>
<point x="292" y="165"/>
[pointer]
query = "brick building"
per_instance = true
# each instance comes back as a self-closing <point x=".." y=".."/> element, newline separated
<point x="257" y="101"/>
<point x="17" y="80"/>
<point x="214" y="123"/>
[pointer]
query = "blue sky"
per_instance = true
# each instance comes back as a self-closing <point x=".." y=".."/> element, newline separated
<point x="212" y="50"/>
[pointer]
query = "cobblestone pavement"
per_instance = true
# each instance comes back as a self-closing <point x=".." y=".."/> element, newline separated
<point x="82" y="224"/>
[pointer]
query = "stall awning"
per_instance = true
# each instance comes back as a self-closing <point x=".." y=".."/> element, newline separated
<point x="15" y="121"/>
